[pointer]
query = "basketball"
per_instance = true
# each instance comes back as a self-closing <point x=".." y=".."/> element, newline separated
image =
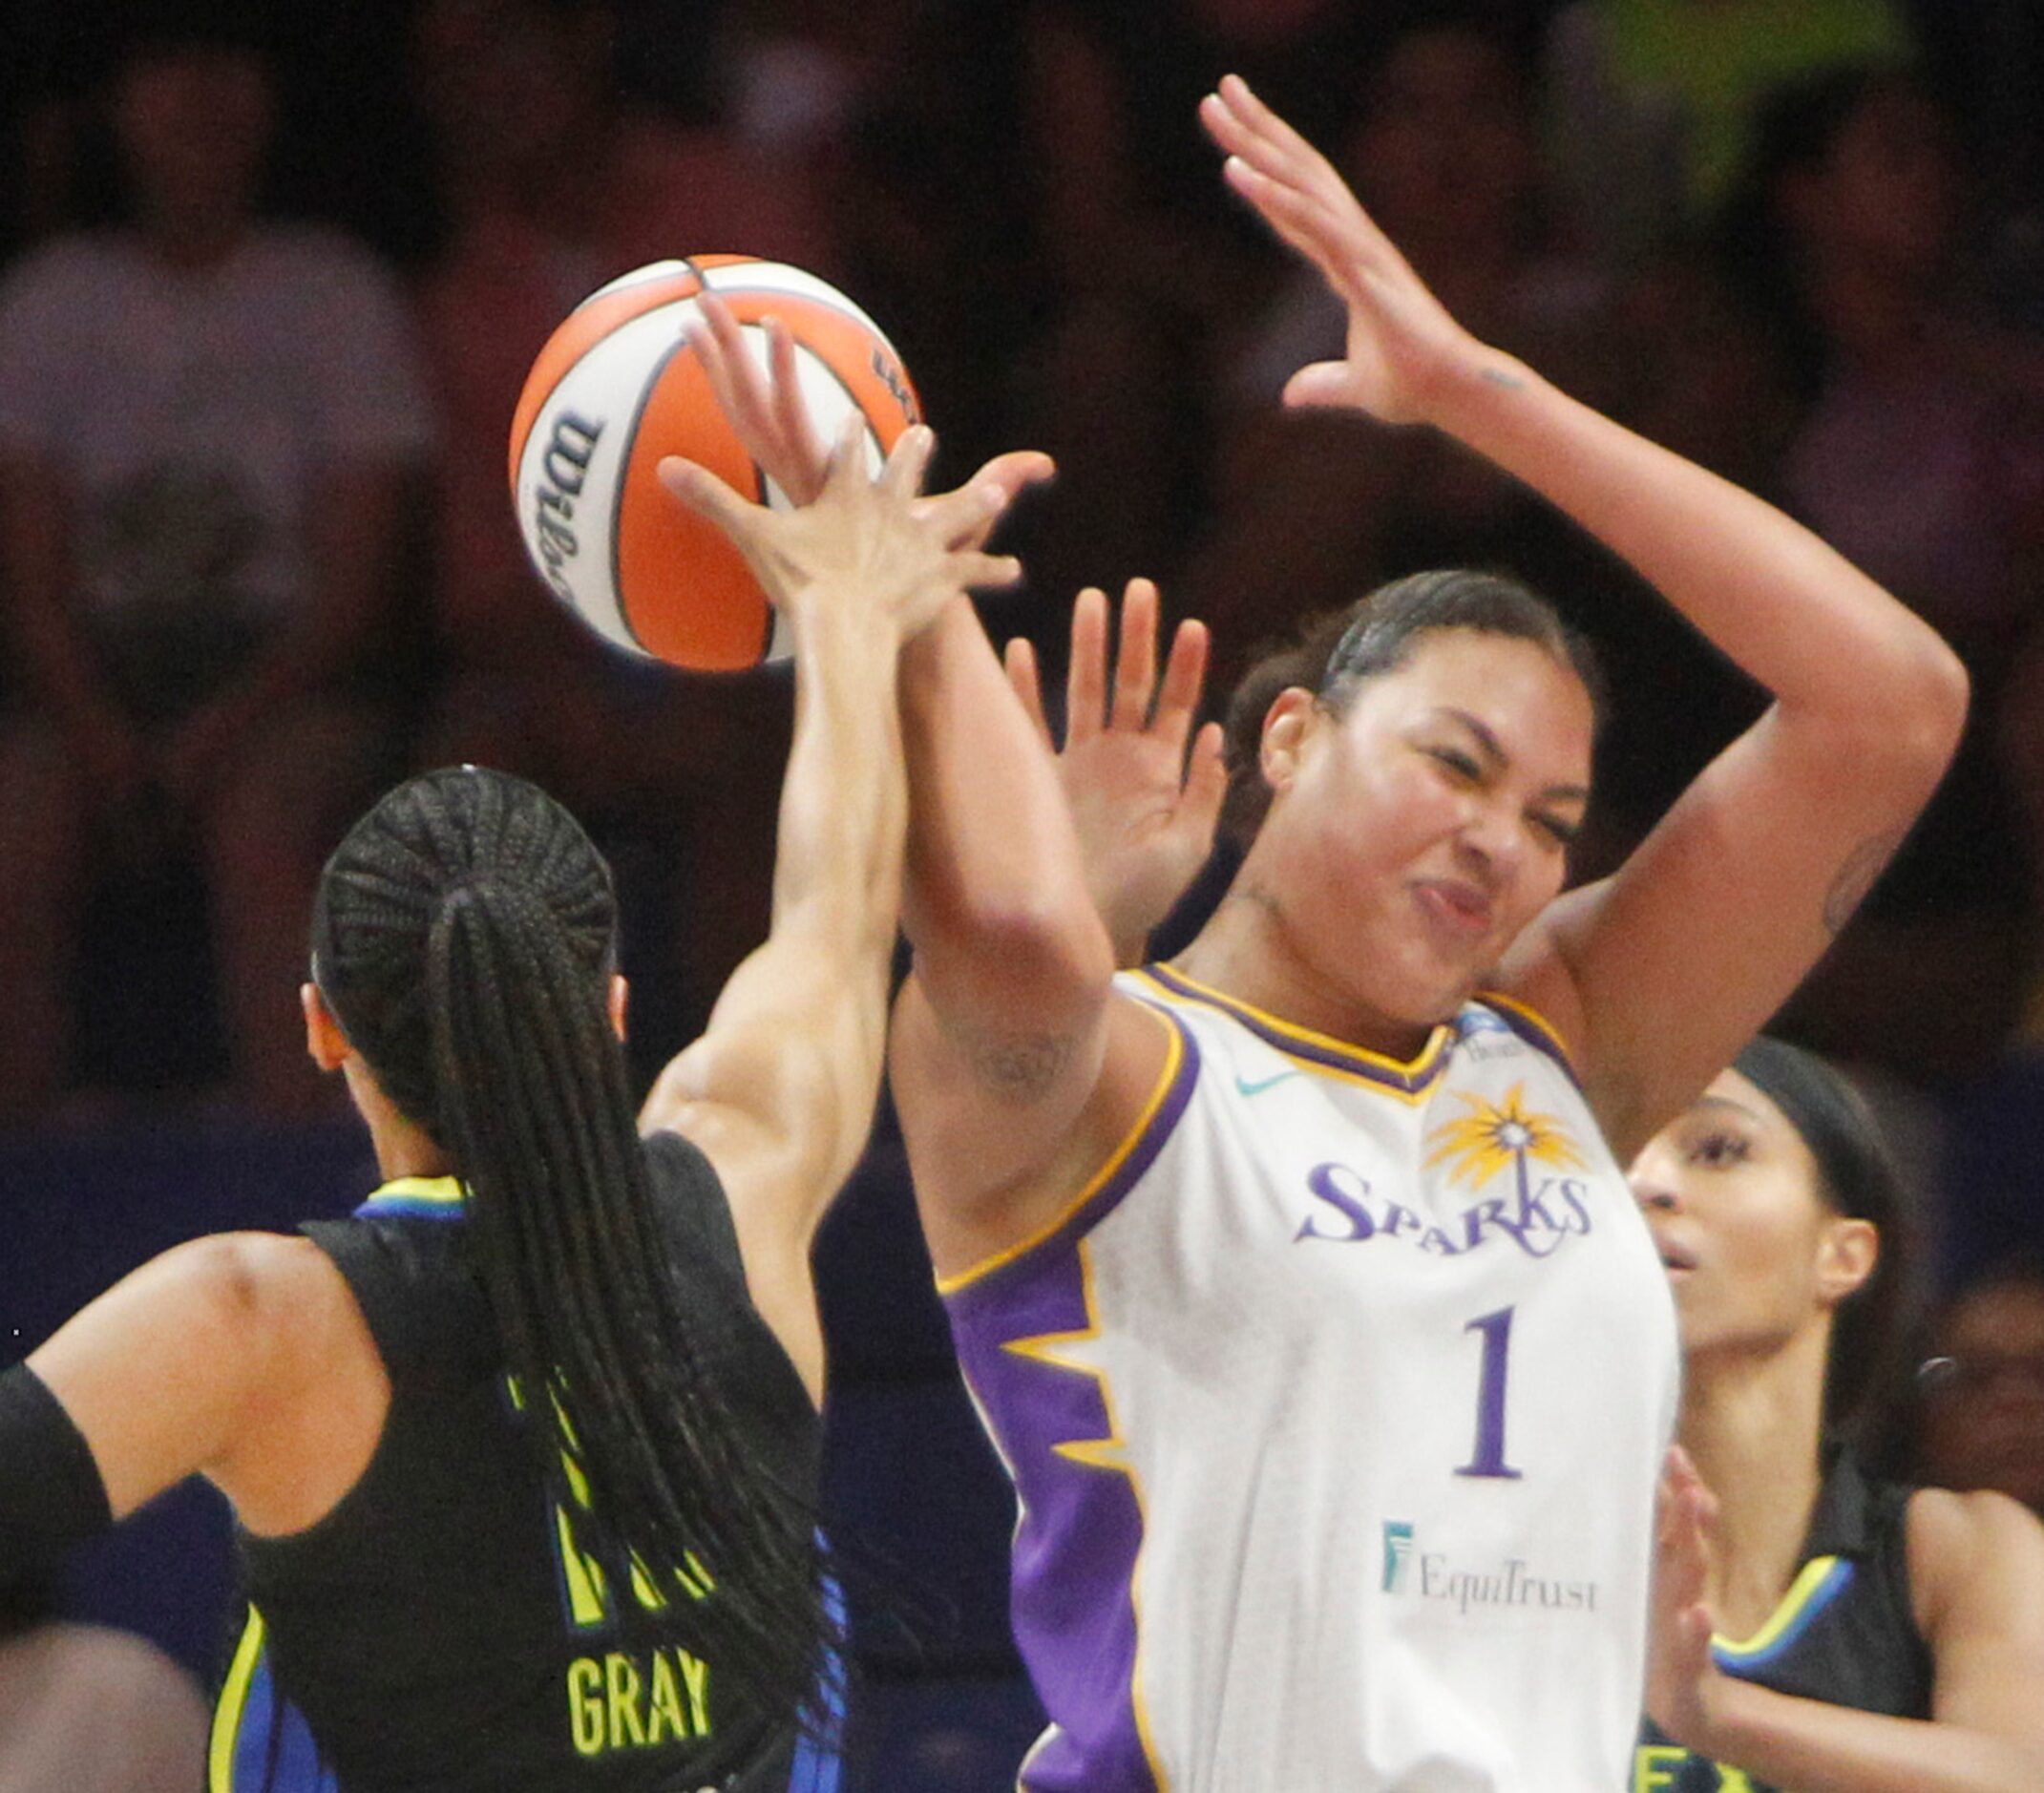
<point x="617" y="387"/>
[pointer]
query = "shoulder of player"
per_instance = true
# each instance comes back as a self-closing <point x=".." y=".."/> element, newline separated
<point x="279" y="1296"/>
<point x="1969" y="1549"/>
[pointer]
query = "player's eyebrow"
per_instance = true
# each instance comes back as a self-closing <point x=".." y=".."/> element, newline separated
<point x="1493" y="750"/>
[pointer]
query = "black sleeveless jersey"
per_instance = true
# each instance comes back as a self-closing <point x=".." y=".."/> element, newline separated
<point x="440" y="1629"/>
<point x="1844" y="1633"/>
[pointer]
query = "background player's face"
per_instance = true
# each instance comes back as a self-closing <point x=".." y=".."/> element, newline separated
<point x="195" y="125"/>
<point x="1984" y="1417"/>
<point x="1418" y="831"/>
<point x="1734" y="1199"/>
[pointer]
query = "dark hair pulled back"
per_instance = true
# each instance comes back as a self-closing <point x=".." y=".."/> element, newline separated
<point x="463" y="936"/>
<point x="1334" y="652"/>
<point x="1859" y="1180"/>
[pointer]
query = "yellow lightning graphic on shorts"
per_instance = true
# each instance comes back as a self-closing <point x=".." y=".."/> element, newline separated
<point x="1060" y="1351"/>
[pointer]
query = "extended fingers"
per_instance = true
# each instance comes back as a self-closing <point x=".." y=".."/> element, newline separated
<point x="1185" y="673"/>
<point x="1086" y="678"/>
<point x="704" y="493"/>
<point x="985" y="572"/>
<point x="798" y="430"/>
<point x="720" y="346"/>
<point x="1019" y="660"/>
<point x="1205" y="782"/>
<point x="907" y="460"/>
<point x="1135" y="663"/>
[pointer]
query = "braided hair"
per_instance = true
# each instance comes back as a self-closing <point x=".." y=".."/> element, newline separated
<point x="464" y="937"/>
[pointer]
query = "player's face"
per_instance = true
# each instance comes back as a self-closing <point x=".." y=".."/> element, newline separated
<point x="1732" y="1197"/>
<point x="1420" y="832"/>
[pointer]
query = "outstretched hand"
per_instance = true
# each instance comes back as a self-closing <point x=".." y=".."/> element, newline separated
<point x="1401" y="342"/>
<point x="1682" y="1676"/>
<point x="764" y="406"/>
<point x="876" y="539"/>
<point x="1144" y="809"/>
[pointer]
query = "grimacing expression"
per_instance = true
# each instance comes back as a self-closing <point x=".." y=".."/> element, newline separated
<point x="1734" y="1199"/>
<point x="1418" y="832"/>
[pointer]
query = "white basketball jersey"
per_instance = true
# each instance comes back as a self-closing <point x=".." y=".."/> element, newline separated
<point x="1334" y="1408"/>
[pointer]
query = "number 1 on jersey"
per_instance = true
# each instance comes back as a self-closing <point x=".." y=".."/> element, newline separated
<point x="1488" y="1458"/>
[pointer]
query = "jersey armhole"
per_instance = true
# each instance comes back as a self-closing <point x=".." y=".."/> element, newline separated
<point x="1533" y="1027"/>
<point x="1103" y="1192"/>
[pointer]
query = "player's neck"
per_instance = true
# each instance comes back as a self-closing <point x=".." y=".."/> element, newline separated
<point x="1752" y="1424"/>
<point x="1250" y="951"/>
<point x="403" y="1148"/>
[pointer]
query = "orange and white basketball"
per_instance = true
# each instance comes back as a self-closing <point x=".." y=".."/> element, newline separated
<point x="617" y="387"/>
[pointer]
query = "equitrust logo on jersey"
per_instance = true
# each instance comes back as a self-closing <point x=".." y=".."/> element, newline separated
<point x="1436" y="1577"/>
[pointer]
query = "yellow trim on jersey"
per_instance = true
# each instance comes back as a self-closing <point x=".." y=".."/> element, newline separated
<point x="233" y="1706"/>
<point x="1415" y="1066"/>
<point x="1174" y="1058"/>
<point x="1812" y="1577"/>
<point x="438" y="1192"/>
<point x="1372" y="1074"/>
<point x="1497" y="998"/>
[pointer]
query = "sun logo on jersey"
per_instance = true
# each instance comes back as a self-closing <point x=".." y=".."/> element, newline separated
<point x="1494" y="1138"/>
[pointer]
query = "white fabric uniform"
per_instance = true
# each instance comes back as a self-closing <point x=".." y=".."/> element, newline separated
<point x="1334" y="1408"/>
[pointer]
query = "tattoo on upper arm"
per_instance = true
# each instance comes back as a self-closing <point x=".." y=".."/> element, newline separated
<point x="1018" y="1068"/>
<point x="1860" y="872"/>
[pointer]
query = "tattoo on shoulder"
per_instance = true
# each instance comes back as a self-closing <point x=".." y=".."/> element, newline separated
<point x="1860" y="872"/>
<point x="1018" y="1068"/>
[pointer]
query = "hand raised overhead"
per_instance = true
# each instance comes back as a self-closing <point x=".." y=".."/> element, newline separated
<point x="1401" y="342"/>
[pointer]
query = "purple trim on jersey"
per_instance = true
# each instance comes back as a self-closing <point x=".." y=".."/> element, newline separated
<point x="1072" y="1593"/>
<point x="1355" y="1061"/>
<point x="1530" y="1029"/>
<point x="1073" y="1569"/>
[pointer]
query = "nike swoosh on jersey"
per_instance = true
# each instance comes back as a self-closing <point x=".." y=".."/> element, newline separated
<point x="1248" y="1089"/>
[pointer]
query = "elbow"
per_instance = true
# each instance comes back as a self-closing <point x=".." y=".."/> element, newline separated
<point x="1930" y="715"/>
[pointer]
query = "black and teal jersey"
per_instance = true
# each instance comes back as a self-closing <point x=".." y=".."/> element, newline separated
<point x="1844" y="1633"/>
<point x="444" y="1627"/>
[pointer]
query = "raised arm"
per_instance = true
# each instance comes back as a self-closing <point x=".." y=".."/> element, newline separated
<point x="1659" y="974"/>
<point x="1002" y="1031"/>
<point x="779" y="1089"/>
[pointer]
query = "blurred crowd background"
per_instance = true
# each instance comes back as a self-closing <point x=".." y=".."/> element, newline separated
<point x="271" y="281"/>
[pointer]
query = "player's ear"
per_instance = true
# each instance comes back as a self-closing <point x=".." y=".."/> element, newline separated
<point x="619" y="1001"/>
<point x="1286" y="725"/>
<point x="324" y="1042"/>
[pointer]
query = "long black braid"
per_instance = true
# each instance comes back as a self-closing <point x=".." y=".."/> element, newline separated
<point x="464" y="937"/>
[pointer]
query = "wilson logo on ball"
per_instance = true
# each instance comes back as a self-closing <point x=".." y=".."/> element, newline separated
<point x="616" y="387"/>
